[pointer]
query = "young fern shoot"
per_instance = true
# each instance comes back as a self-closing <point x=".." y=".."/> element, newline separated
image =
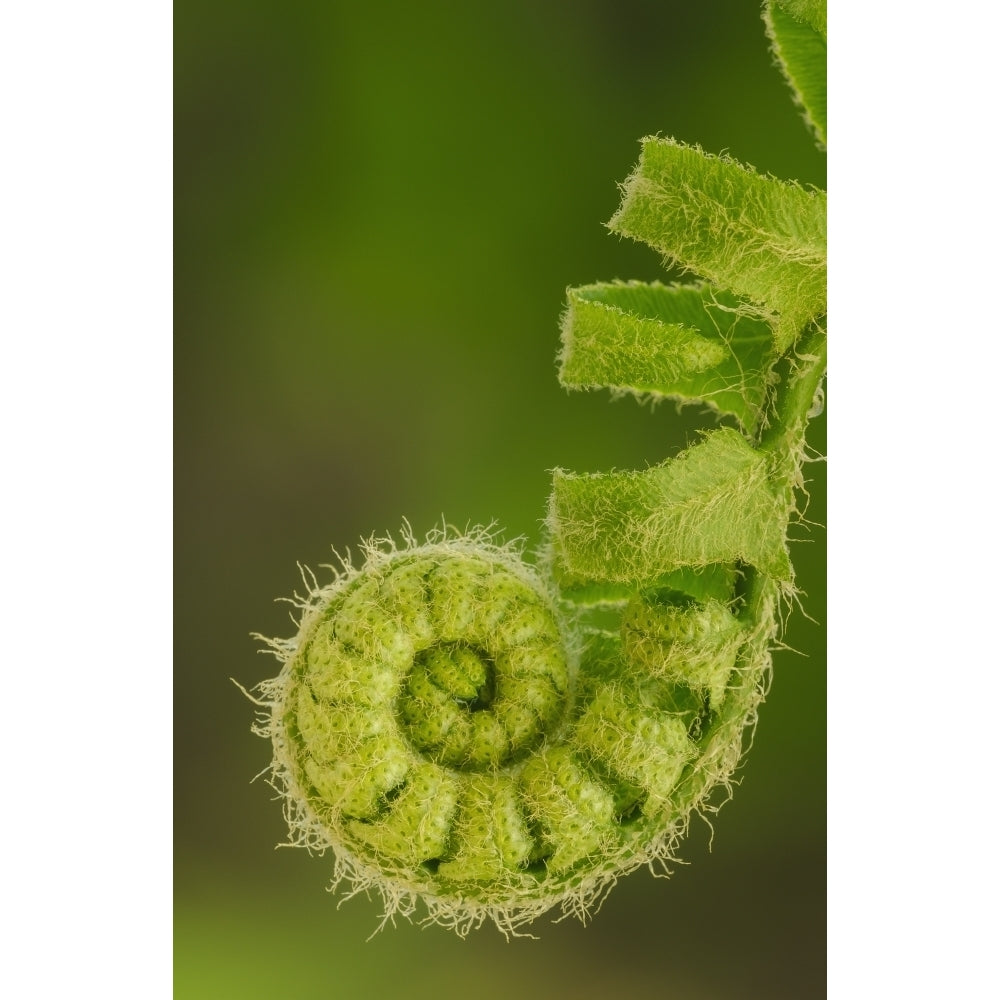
<point x="452" y="722"/>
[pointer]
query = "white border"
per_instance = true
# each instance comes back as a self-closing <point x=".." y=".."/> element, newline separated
<point x="85" y="410"/>
<point x="912" y="537"/>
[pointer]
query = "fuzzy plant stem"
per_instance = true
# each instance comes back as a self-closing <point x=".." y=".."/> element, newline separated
<point x="785" y="437"/>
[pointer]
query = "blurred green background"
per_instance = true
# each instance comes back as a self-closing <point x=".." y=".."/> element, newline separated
<point x="378" y="210"/>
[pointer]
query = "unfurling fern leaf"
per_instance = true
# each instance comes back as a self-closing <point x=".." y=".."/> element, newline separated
<point x="455" y="723"/>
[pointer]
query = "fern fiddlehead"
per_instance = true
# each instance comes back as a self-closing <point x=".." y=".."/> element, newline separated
<point x="451" y="721"/>
<point x="435" y="724"/>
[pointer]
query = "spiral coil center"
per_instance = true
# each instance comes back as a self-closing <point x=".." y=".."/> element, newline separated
<point x="444" y="659"/>
<point x="463" y="705"/>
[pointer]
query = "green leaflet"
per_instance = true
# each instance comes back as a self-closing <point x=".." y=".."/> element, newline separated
<point x="714" y="503"/>
<point x="761" y="238"/>
<point x="798" y="39"/>
<point x="686" y="342"/>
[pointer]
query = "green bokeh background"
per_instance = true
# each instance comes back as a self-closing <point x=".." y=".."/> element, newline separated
<point x="378" y="210"/>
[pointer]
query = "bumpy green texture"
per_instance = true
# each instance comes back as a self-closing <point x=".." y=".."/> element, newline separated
<point x="439" y="726"/>
<point x="675" y="639"/>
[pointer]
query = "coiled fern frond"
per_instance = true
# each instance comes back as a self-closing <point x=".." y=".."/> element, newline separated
<point x="462" y="727"/>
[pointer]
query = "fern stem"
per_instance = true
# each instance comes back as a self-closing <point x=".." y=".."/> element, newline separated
<point x="796" y="394"/>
